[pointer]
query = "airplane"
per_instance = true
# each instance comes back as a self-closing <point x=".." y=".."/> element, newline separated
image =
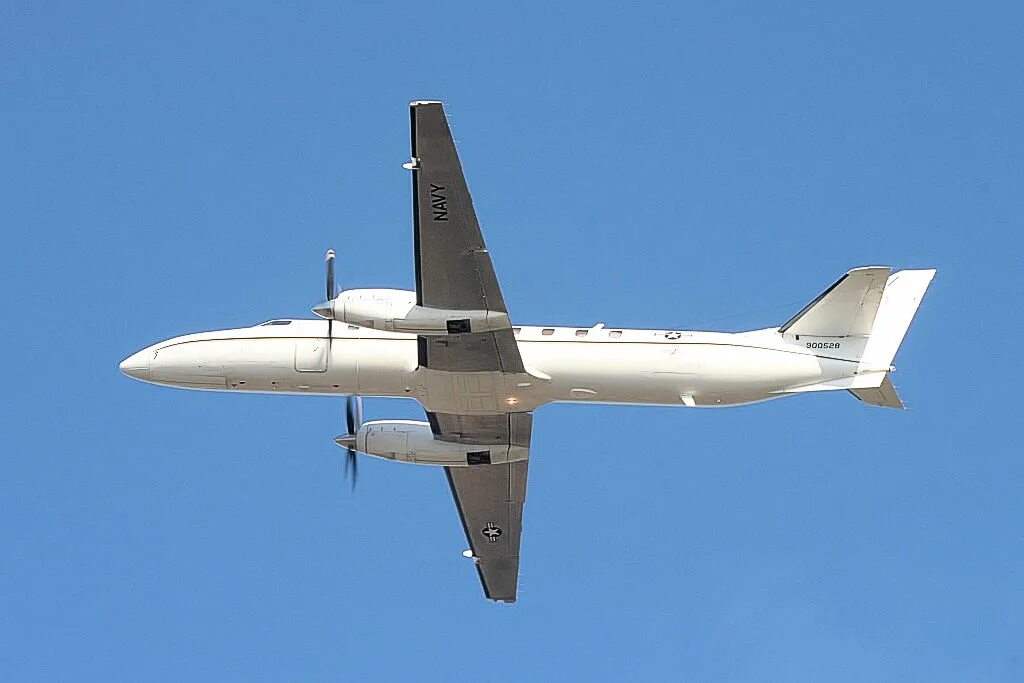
<point x="452" y="346"/>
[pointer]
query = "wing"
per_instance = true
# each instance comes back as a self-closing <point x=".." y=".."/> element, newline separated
<point x="454" y="271"/>
<point x="489" y="497"/>
<point x="490" y="503"/>
<point x="453" y="267"/>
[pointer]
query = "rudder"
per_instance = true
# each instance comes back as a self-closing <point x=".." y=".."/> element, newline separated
<point x="900" y="300"/>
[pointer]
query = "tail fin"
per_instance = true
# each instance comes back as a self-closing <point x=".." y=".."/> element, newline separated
<point x="902" y="296"/>
<point x="870" y="304"/>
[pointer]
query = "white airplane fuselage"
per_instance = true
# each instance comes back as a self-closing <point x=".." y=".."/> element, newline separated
<point x="564" y="364"/>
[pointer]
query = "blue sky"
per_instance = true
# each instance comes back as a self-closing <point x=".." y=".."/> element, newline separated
<point x="167" y="169"/>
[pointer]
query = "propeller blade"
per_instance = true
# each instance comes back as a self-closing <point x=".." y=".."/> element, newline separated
<point x="353" y="462"/>
<point x="350" y="415"/>
<point x="329" y="257"/>
<point x="353" y="420"/>
<point x="330" y="274"/>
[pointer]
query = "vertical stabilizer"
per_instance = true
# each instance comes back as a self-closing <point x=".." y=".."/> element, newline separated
<point x="846" y="309"/>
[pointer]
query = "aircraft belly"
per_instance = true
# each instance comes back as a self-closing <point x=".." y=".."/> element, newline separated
<point x="368" y="367"/>
<point x="673" y="374"/>
<point x="382" y="367"/>
<point x="729" y="368"/>
<point x="614" y="373"/>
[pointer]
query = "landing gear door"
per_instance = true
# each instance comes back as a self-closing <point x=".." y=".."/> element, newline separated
<point x="311" y="355"/>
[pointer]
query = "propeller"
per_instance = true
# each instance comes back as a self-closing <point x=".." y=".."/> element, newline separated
<point x="353" y="420"/>
<point x="353" y="404"/>
<point x="331" y="293"/>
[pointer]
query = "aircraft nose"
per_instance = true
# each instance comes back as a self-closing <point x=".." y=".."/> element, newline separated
<point x="137" y="365"/>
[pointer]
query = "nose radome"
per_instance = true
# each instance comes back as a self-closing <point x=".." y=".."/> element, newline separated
<point x="137" y="365"/>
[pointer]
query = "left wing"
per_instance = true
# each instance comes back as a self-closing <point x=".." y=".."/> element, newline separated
<point x="490" y="503"/>
<point x="490" y="497"/>
<point x="453" y="266"/>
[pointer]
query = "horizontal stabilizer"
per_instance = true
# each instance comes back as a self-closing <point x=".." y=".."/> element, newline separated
<point x="845" y="309"/>
<point x="884" y="395"/>
<point x="867" y="380"/>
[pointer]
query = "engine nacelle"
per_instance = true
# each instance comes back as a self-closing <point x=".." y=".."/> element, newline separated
<point x="412" y="441"/>
<point x="395" y="310"/>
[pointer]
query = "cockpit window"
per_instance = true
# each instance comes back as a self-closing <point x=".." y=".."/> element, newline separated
<point x="275" y="322"/>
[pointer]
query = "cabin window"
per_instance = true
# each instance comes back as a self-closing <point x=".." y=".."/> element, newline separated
<point x="548" y="331"/>
<point x="353" y="327"/>
<point x="581" y="333"/>
<point x="276" y="322"/>
<point x="615" y="334"/>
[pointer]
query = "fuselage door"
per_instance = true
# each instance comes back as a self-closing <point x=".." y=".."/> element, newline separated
<point x="311" y="355"/>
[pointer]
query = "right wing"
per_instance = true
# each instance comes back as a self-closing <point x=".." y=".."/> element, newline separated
<point x="453" y="266"/>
